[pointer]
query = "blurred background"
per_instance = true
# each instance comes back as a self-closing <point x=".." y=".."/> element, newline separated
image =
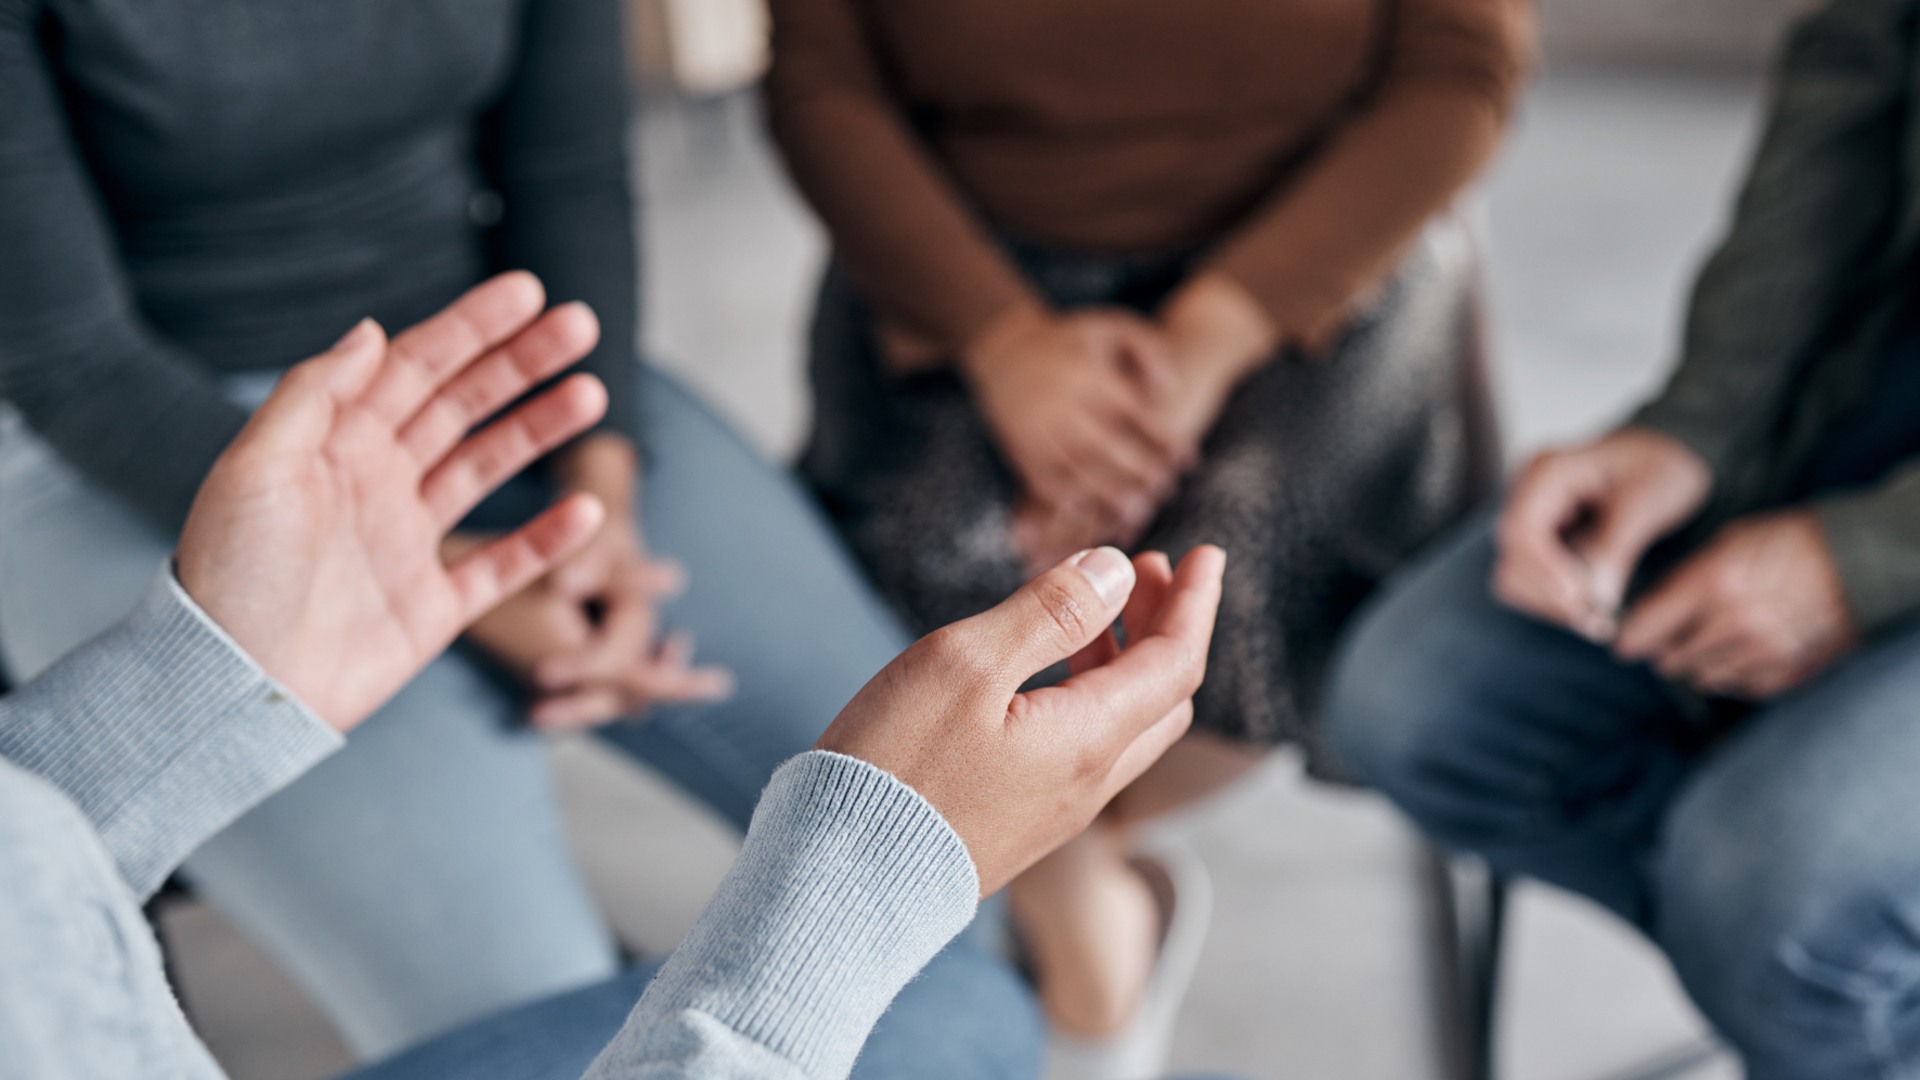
<point x="1603" y="202"/>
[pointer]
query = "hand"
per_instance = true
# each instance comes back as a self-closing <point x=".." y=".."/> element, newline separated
<point x="1579" y="520"/>
<point x="1068" y="398"/>
<point x="1757" y="611"/>
<point x="1018" y="774"/>
<point x="1218" y="334"/>
<point x="585" y="637"/>
<point x="315" y="540"/>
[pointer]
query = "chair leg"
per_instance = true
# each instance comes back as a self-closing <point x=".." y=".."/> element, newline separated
<point x="1466" y="914"/>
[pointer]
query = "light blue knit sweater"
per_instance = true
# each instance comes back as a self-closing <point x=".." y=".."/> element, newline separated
<point x="128" y="754"/>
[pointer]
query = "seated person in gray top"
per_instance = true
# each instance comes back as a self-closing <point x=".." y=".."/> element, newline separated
<point x="192" y="192"/>
<point x="1681" y="675"/>
<point x="309" y="586"/>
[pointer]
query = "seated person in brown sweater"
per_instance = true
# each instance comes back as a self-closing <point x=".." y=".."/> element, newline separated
<point x="1153" y="275"/>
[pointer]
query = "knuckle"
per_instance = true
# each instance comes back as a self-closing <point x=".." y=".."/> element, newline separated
<point x="1067" y="614"/>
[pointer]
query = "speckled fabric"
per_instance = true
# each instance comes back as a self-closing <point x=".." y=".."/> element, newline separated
<point x="1320" y="478"/>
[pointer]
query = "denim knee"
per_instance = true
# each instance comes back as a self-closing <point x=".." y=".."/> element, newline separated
<point x="1808" y="968"/>
<point x="1406" y="686"/>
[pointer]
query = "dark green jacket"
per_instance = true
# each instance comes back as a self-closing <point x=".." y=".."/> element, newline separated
<point x="1789" y="315"/>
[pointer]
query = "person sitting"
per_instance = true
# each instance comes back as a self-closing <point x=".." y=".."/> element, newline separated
<point x="190" y="196"/>
<point x="1677" y="676"/>
<point x="309" y="586"/>
<point x="1149" y="275"/>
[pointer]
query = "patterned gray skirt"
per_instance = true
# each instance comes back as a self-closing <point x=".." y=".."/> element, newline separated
<point x="1319" y="479"/>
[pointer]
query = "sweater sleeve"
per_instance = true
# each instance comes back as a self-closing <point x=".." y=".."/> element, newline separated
<point x="555" y="150"/>
<point x="1449" y="73"/>
<point x="132" y="411"/>
<point x="1874" y="538"/>
<point x="904" y="233"/>
<point x="848" y="884"/>
<point x="1819" y="201"/>
<point x="162" y="731"/>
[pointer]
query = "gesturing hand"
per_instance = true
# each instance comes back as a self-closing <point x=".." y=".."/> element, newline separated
<point x="1018" y="774"/>
<point x="1757" y="611"/>
<point x="1579" y="520"/>
<point x="1068" y="399"/>
<point x="315" y="541"/>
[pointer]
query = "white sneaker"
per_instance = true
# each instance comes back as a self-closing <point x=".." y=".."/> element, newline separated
<point x="1185" y="890"/>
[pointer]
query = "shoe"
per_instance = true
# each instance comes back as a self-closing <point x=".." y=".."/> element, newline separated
<point x="1185" y="890"/>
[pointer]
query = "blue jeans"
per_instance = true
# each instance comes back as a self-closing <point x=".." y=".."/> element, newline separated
<point x="991" y="1033"/>
<point x="420" y="879"/>
<point x="1778" y="866"/>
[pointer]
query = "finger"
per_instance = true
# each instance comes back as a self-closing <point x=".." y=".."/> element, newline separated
<point x="1150" y="466"/>
<point x="1620" y="535"/>
<point x="624" y="642"/>
<point x="1153" y="675"/>
<point x="1712" y="642"/>
<point x="1148" y="747"/>
<point x="1120" y="499"/>
<point x="1153" y="574"/>
<point x="556" y="340"/>
<point x="426" y="356"/>
<point x="674" y="681"/>
<point x="577" y="709"/>
<point x="1537" y="572"/>
<point x="1101" y="650"/>
<point x="1664" y="617"/>
<point x="489" y="457"/>
<point x="1052" y="617"/>
<point x="302" y="409"/>
<point x="500" y="568"/>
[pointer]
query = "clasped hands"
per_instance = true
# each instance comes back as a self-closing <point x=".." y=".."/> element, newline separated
<point x="585" y="638"/>
<point x="1756" y="611"/>
<point x="1100" y="411"/>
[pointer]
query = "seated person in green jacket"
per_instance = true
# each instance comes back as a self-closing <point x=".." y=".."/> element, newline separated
<point x="1680" y="674"/>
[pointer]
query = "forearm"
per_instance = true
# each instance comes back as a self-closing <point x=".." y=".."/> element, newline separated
<point x="1814" y="212"/>
<point x="1453" y="71"/>
<point x="906" y="236"/>
<point x="558" y="155"/>
<point x="77" y="358"/>
<point x="1874" y="538"/>
<point x="162" y="731"/>
<point x="847" y="886"/>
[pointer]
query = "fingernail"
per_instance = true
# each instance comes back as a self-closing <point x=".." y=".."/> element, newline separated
<point x="1108" y="571"/>
<point x="358" y="336"/>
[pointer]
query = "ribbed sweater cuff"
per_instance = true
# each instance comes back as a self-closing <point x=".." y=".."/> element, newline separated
<point x="163" y="731"/>
<point x="847" y="886"/>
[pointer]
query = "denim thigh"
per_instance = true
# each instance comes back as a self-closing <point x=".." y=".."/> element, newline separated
<point x="1787" y="884"/>
<point x="1506" y="736"/>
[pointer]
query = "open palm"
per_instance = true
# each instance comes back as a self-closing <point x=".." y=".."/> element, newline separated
<point x="315" y="541"/>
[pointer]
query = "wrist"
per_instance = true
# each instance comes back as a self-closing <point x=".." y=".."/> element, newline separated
<point x="1219" y="330"/>
<point x="984" y="351"/>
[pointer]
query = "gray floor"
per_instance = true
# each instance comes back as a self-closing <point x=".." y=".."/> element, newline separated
<point x="1598" y="210"/>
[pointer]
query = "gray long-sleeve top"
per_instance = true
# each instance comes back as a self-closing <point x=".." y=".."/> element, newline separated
<point x="163" y="730"/>
<point x="194" y="188"/>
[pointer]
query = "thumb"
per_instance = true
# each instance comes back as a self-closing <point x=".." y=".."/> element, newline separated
<point x="1055" y="615"/>
<point x="1613" y="546"/>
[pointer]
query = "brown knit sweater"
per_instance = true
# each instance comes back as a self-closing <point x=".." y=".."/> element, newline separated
<point x="1305" y="141"/>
